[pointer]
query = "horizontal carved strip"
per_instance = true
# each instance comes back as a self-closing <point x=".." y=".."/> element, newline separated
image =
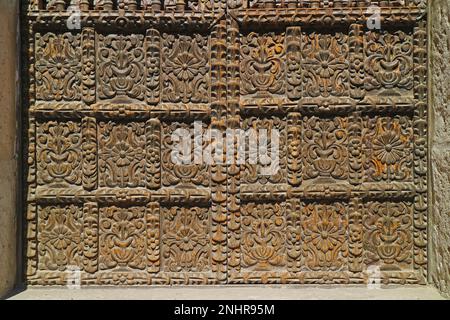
<point x="281" y="192"/>
<point x="192" y="5"/>
<point x="374" y="104"/>
<point x="325" y="277"/>
<point x="137" y="19"/>
<point x="122" y="196"/>
<point x="326" y="16"/>
<point x="143" y="278"/>
<point x="78" y="110"/>
<point x="124" y="278"/>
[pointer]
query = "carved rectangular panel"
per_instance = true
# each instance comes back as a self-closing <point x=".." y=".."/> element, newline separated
<point x="325" y="181"/>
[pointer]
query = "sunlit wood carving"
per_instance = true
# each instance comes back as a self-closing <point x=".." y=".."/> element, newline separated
<point x="105" y="197"/>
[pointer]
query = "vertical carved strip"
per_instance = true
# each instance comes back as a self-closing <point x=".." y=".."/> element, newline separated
<point x="153" y="64"/>
<point x="31" y="68"/>
<point x="293" y="60"/>
<point x="234" y="170"/>
<point x="31" y="216"/>
<point x="153" y="153"/>
<point x="89" y="153"/>
<point x="88" y="65"/>
<point x="293" y="239"/>
<point x="32" y="256"/>
<point x="90" y="237"/>
<point x="294" y="161"/>
<point x="355" y="239"/>
<point x="219" y="171"/>
<point x="153" y="237"/>
<point x="355" y="148"/>
<point x="356" y="57"/>
<point x="420" y="149"/>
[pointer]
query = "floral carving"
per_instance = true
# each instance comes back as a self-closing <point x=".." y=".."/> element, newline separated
<point x="388" y="64"/>
<point x="263" y="236"/>
<point x="262" y="64"/>
<point x="388" y="149"/>
<point x="325" y="64"/>
<point x="104" y="195"/>
<point x="122" y="238"/>
<point x="187" y="175"/>
<point x="59" y="237"/>
<point x="121" y="67"/>
<point x="186" y="239"/>
<point x="58" y="67"/>
<point x="185" y="68"/>
<point x="122" y="154"/>
<point x="58" y="152"/>
<point x="388" y="238"/>
<point x="325" y="148"/>
<point x="324" y="228"/>
<point x="254" y="173"/>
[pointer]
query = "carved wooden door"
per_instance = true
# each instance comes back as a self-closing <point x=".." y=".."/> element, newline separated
<point x="109" y="82"/>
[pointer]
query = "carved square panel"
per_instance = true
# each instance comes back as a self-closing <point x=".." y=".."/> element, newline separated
<point x="185" y="68"/>
<point x="58" y="153"/>
<point x="58" y="66"/>
<point x="388" y="62"/>
<point x="265" y="150"/>
<point x="179" y="167"/>
<point x="262" y="65"/>
<point x="122" y="241"/>
<point x="324" y="64"/>
<point x="388" y="148"/>
<point x="59" y="234"/>
<point x="324" y="236"/>
<point x="325" y="149"/>
<point x="263" y="236"/>
<point x="388" y="234"/>
<point x="185" y="239"/>
<point x="121" y="66"/>
<point x="122" y="154"/>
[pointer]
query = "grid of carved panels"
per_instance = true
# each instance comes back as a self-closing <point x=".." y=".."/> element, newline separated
<point x="349" y="196"/>
<point x="104" y="196"/>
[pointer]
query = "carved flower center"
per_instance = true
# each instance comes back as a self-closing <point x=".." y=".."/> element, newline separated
<point x="122" y="154"/>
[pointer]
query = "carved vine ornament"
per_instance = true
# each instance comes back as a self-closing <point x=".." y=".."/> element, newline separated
<point x="350" y="103"/>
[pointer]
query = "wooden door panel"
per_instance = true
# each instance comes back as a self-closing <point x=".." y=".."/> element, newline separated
<point x="105" y="201"/>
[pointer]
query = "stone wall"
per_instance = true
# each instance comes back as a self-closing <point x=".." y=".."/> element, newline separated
<point x="8" y="149"/>
<point x="439" y="223"/>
